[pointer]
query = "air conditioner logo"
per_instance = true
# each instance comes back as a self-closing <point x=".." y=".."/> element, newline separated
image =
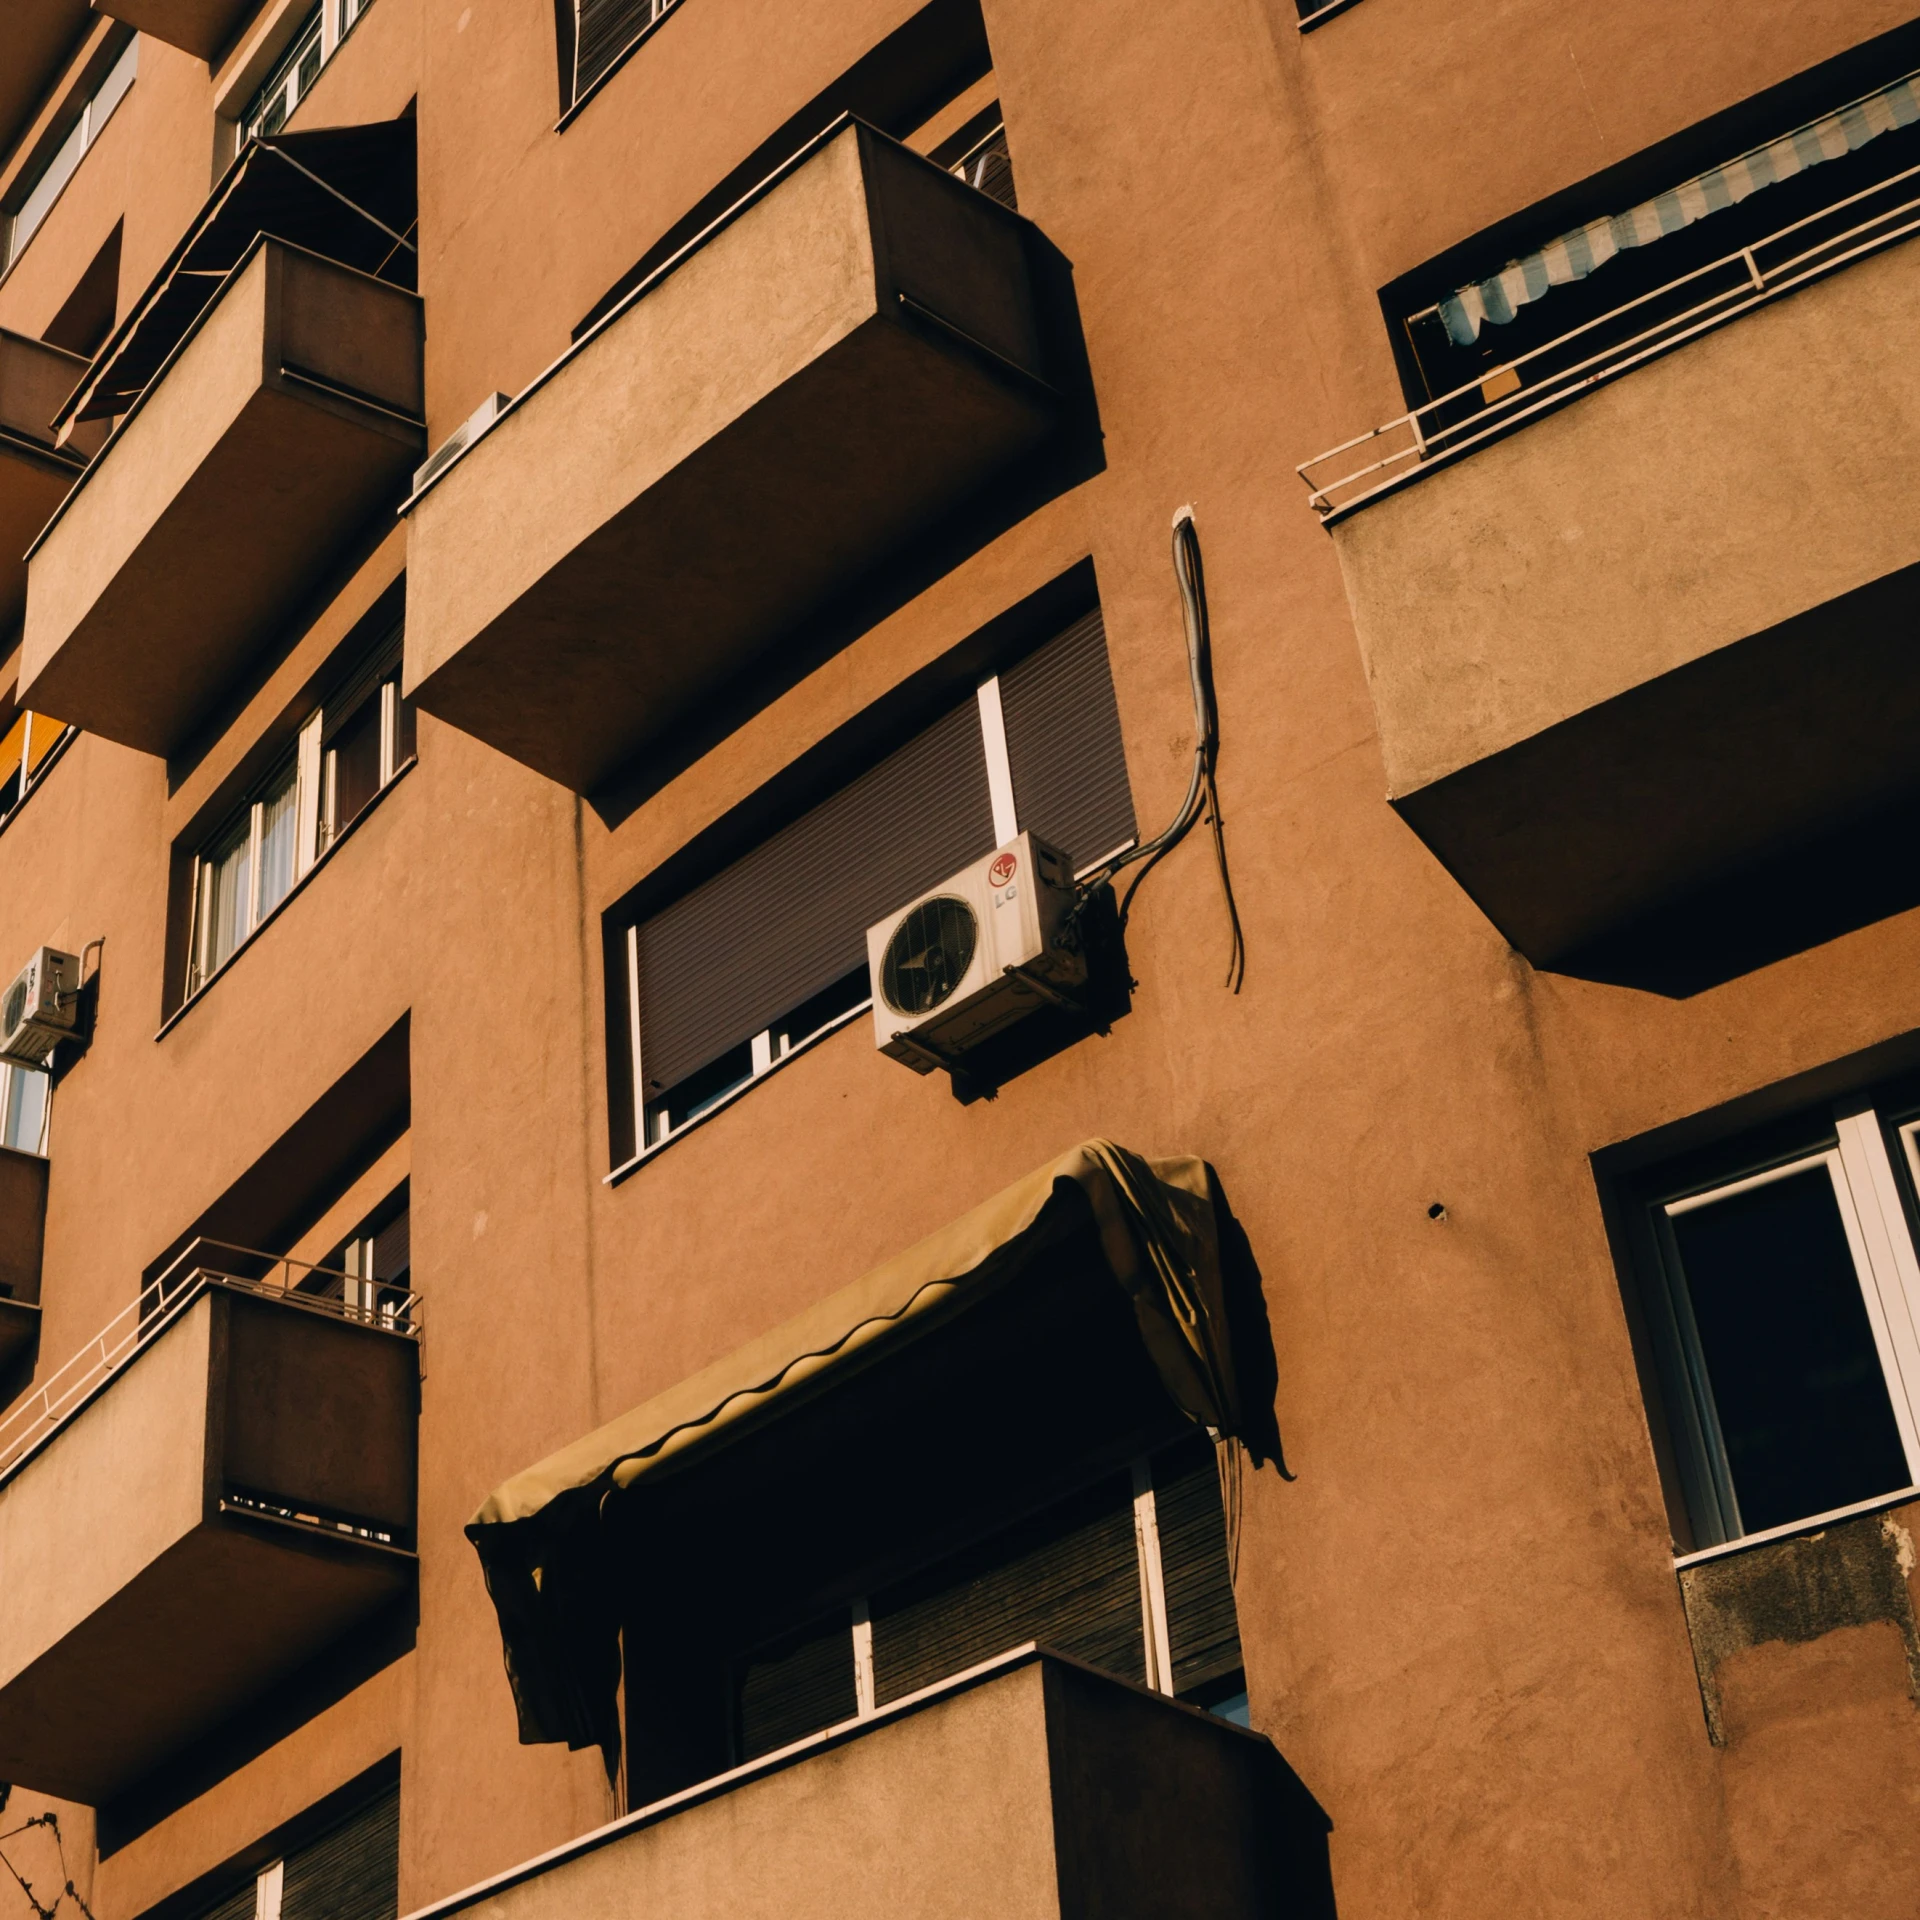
<point x="1002" y="870"/>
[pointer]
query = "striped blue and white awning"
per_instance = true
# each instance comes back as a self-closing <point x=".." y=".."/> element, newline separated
<point x="1575" y="255"/>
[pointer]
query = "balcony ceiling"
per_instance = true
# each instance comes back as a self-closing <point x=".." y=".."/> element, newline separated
<point x="202" y="27"/>
<point x="39" y="36"/>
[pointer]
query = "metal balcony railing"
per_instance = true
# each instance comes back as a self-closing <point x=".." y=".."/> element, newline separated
<point x="1613" y="343"/>
<point x="204" y="1263"/>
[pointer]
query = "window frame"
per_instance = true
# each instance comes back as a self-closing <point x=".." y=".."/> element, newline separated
<point x="32" y="771"/>
<point x="324" y="31"/>
<point x="318" y="830"/>
<point x="775" y="1047"/>
<point x="77" y="142"/>
<point x="1875" y="1201"/>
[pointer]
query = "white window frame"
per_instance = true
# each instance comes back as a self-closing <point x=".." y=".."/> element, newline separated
<point x="11" y="1081"/>
<point x="317" y="827"/>
<point x="1880" y="1242"/>
<point x="32" y="772"/>
<point x="771" y="1049"/>
<point x="338" y="18"/>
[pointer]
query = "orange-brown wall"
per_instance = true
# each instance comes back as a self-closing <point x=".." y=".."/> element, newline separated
<point x="1462" y="1622"/>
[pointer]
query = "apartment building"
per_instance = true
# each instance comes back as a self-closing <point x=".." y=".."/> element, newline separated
<point x="827" y="1098"/>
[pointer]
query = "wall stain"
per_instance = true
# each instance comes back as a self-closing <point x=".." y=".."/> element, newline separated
<point x="1850" y="1575"/>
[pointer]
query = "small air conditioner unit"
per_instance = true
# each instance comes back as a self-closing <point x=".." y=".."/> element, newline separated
<point x="460" y="439"/>
<point x="966" y="961"/>
<point x="42" y="1007"/>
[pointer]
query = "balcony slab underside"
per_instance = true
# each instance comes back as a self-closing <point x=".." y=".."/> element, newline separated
<point x="1666" y="635"/>
<point x="1043" y="1791"/>
<point x="752" y="437"/>
<point x="40" y="36"/>
<point x="202" y="27"/>
<point x="280" y="427"/>
<point x="150" y="1600"/>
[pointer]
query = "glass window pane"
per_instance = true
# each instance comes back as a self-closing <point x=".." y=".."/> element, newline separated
<point x="26" y="1108"/>
<point x="356" y="747"/>
<point x="112" y="90"/>
<point x="228" y="883"/>
<point x="277" y="824"/>
<point x="1789" y="1351"/>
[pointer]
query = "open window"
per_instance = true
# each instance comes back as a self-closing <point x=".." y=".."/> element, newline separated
<point x="1779" y="1297"/>
<point x="731" y="977"/>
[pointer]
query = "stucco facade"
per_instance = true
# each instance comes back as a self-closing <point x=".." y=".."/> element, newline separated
<point x="1462" y="1621"/>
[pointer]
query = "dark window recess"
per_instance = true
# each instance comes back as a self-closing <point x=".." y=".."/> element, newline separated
<point x="351" y="1872"/>
<point x="790" y="919"/>
<point x="604" y="30"/>
<point x="1203" y="1628"/>
<point x="1063" y="745"/>
<point x="1787" y="1352"/>
<point x="1070" y="1577"/>
<point x="988" y="166"/>
<point x="1434" y="364"/>
<point x="796" y="1687"/>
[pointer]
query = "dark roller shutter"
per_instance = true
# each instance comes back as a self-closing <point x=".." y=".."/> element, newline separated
<point x="607" y="28"/>
<point x="393" y="1249"/>
<point x="1069" y="1577"/>
<point x="352" y="1872"/>
<point x="1063" y="741"/>
<point x="241" y="1904"/>
<point x="1203" y="1630"/>
<point x="790" y="918"/>
<point x="796" y="1687"/>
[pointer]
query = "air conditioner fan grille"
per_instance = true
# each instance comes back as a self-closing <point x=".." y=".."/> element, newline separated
<point x="928" y="955"/>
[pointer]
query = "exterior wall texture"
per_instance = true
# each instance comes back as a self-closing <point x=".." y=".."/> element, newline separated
<point x="1462" y="1619"/>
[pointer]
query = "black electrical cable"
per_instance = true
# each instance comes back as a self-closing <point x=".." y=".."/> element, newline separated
<point x="1202" y="798"/>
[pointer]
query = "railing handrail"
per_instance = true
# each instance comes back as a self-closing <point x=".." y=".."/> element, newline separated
<point x="46" y="1411"/>
<point x="1427" y="443"/>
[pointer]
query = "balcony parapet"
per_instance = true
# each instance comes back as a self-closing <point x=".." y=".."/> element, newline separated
<point x="35" y="474"/>
<point x="849" y="353"/>
<point x="1629" y="637"/>
<point x="216" y="1489"/>
<point x="1029" y="1785"/>
<point x="277" y="426"/>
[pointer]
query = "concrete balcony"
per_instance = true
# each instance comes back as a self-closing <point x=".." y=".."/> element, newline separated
<point x="849" y="354"/>
<point x="23" y="1227"/>
<point x="1034" y="1789"/>
<point x="1663" y="636"/>
<point x="206" y="1515"/>
<point x="35" y="475"/>
<point x="282" y="423"/>
<point x="200" y="27"/>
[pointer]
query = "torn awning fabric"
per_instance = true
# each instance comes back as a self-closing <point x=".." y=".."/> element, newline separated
<point x="346" y="192"/>
<point x="1167" y="1240"/>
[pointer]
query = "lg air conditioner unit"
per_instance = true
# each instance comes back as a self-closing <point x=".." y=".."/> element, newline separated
<point x="42" y="1007"/>
<point x="966" y="961"/>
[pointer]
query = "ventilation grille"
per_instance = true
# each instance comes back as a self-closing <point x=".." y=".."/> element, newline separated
<point x="459" y="440"/>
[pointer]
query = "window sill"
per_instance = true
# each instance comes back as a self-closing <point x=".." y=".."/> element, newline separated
<point x="1320" y="16"/>
<point x="725" y="1100"/>
<point x="1814" y="1523"/>
<point x="286" y="900"/>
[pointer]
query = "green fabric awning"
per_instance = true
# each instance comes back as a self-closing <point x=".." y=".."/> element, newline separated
<point x="1164" y="1235"/>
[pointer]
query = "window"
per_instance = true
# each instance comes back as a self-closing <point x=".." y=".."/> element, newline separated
<point x="1783" y="1311"/>
<point x="53" y="177"/>
<point x="372" y="1269"/>
<point x="26" y="755"/>
<point x="736" y="976"/>
<point x="1130" y="1574"/>
<point x="299" y="67"/>
<point x="603" y="30"/>
<point x="24" y="1105"/>
<point x="350" y="1872"/>
<point x="347" y="752"/>
<point x="977" y="153"/>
